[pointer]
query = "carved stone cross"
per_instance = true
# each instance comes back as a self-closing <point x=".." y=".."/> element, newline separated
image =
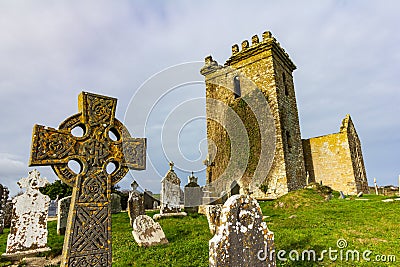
<point x="105" y="141"/>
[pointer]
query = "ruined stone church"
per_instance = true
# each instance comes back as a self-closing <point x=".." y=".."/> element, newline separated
<point x="254" y="143"/>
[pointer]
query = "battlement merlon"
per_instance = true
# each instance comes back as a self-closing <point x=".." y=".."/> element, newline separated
<point x="268" y="43"/>
<point x="210" y="66"/>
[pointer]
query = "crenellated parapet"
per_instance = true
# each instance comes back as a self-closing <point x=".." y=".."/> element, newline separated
<point x="268" y="42"/>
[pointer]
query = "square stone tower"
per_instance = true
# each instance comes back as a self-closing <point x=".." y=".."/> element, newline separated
<point x="253" y="131"/>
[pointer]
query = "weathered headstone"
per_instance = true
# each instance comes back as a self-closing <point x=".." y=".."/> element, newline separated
<point x="170" y="195"/>
<point x="105" y="141"/>
<point x="193" y="195"/>
<point x="8" y="213"/>
<point x="135" y="203"/>
<point x="28" y="232"/>
<point x="115" y="203"/>
<point x="147" y="232"/>
<point x="62" y="214"/>
<point x="53" y="208"/>
<point x="3" y="201"/>
<point x="170" y="192"/>
<point x="242" y="238"/>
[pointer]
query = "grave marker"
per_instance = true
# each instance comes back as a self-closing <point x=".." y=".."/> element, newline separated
<point x="170" y="192"/>
<point x="242" y="238"/>
<point x="147" y="232"/>
<point x="193" y="195"/>
<point x="170" y="195"/>
<point x="28" y="231"/>
<point x="3" y="202"/>
<point x="62" y="214"/>
<point x="115" y="203"/>
<point x="376" y="187"/>
<point x="8" y="213"/>
<point x="53" y="208"/>
<point x="135" y="203"/>
<point x="105" y="142"/>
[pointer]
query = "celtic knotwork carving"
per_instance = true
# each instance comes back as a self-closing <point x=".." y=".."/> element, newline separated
<point x="100" y="110"/>
<point x="95" y="152"/>
<point x="94" y="188"/>
<point x="135" y="152"/>
<point x="53" y="145"/>
<point x="88" y="232"/>
<point x="98" y="260"/>
<point x="91" y="228"/>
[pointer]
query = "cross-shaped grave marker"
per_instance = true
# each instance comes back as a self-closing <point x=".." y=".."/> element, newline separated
<point x="104" y="141"/>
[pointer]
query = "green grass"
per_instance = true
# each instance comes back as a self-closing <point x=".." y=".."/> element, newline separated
<point x="317" y="224"/>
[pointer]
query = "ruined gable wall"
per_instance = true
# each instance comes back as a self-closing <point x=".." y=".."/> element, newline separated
<point x="328" y="159"/>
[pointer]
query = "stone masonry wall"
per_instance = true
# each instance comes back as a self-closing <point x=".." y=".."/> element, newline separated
<point x="332" y="159"/>
<point x="264" y="66"/>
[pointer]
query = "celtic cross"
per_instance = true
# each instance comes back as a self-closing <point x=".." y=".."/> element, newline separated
<point x="104" y="141"/>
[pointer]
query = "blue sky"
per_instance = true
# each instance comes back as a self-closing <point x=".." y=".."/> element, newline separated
<point x="346" y="53"/>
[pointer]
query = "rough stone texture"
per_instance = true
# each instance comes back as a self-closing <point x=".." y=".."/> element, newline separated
<point x="193" y="195"/>
<point x="53" y="208"/>
<point x="265" y="66"/>
<point x="242" y="238"/>
<point x="147" y="232"/>
<point x="62" y="214"/>
<point x="135" y="203"/>
<point x="115" y="203"/>
<point x="87" y="239"/>
<point x="8" y="213"/>
<point x="3" y="202"/>
<point x="213" y="213"/>
<point x="28" y="232"/>
<point x="336" y="160"/>
<point x="170" y="192"/>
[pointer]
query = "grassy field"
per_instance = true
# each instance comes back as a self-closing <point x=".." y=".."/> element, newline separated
<point x="301" y="220"/>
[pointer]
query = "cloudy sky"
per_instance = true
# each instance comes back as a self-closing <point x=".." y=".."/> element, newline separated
<point x="347" y="54"/>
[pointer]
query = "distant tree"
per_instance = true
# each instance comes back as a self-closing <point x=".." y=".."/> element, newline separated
<point x="58" y="188"/>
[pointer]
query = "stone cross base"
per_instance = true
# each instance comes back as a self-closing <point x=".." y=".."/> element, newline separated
<point x="22" y="254"/>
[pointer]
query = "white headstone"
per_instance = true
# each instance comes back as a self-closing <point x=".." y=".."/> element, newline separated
<point x="170" y="192"/>
<point x="242" y="238"/>
<point x="147" y="232"/>
<point x="28" y="232"/>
